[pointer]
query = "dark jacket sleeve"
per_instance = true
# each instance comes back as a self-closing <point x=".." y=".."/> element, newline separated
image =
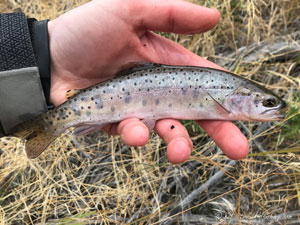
<point x="22" y="95"/>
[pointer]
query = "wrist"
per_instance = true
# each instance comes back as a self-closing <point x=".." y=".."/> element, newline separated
<point x="55" y="94"/>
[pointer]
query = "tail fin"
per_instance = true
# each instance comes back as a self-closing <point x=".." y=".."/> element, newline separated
<point x="37" y="139"/>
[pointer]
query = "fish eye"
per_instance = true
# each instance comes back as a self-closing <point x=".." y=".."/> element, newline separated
<point x="269" y="102"/>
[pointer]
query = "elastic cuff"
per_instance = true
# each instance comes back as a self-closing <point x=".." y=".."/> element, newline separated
<point x="40" y="43"/>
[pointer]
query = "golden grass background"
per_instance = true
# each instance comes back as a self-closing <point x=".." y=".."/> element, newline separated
<point x="98" y="180"/>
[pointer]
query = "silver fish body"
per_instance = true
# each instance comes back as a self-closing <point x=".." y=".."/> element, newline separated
<point x="154" y="92"/>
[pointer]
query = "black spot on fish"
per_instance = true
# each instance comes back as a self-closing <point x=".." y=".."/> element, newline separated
<point x="170" y="105"/>
<point x="157" y="101"/>
<point x="144" y="102"/>
<point x="92" y="98"/>
<point x="111" y="98"/>
<point x="135" y="83"/>
<point x="123" y="89"/>
<point x="104" y="91"/>
<point x="99" y="103"/>
<point x="172" y="127"/>
<point x="82" y="107"/>
<point x="88" y="113"/>
<point x="89" y="107"/>
<point x="112" y="109"/>
<point x="77" y="113"/>
<point x="184" y="91"/>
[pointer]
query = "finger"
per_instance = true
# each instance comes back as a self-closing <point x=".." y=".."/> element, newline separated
<point x="177" y="138"/>
<point x="133" y="132"/>
<point x="228" y="137"/>
<point x="174" y="16"/>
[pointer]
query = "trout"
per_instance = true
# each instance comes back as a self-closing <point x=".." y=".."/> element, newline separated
<point x="152" y="92"/>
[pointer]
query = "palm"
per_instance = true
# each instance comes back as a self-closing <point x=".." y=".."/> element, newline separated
<point x="94" y="41"/>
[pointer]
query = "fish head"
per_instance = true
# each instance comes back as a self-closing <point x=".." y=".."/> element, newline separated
<point x="255" y="103"/>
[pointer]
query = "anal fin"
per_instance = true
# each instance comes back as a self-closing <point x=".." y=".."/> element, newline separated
<point x="87" y="129"/>
<point x="150" y="123"/>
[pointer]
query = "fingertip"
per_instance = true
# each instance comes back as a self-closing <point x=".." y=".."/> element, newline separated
<point x="135" y="134"/>
<point x="238" y="151"/>
<point x="178" y="150"/>
<point x="213" y="17"/>
<point x="228" y="137"/>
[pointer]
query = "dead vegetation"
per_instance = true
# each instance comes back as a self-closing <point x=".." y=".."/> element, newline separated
<point x="98" y="180"/>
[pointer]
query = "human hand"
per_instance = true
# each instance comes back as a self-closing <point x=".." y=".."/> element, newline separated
<point x="92" y="42"/>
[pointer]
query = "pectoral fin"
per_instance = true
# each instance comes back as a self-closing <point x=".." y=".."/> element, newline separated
<point x="219" y="107"/>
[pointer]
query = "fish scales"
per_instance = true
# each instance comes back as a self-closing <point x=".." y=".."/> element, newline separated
<point x="154" y="92"/>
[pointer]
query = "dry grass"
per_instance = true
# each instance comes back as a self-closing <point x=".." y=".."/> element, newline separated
<point x="98" y="180"/>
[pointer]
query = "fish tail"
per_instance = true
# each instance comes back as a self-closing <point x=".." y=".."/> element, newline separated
<point x="37" y="139"/>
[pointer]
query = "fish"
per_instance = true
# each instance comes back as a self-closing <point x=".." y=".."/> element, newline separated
<point x="152" y="92"/>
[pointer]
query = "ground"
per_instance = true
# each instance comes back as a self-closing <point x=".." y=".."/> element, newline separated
<point x="98" y="180"/>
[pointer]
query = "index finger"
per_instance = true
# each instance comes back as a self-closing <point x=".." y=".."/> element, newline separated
<point x="175" y="16"/>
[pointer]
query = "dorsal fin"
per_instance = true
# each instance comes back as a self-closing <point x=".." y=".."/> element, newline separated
<point x="135" y="67"/>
